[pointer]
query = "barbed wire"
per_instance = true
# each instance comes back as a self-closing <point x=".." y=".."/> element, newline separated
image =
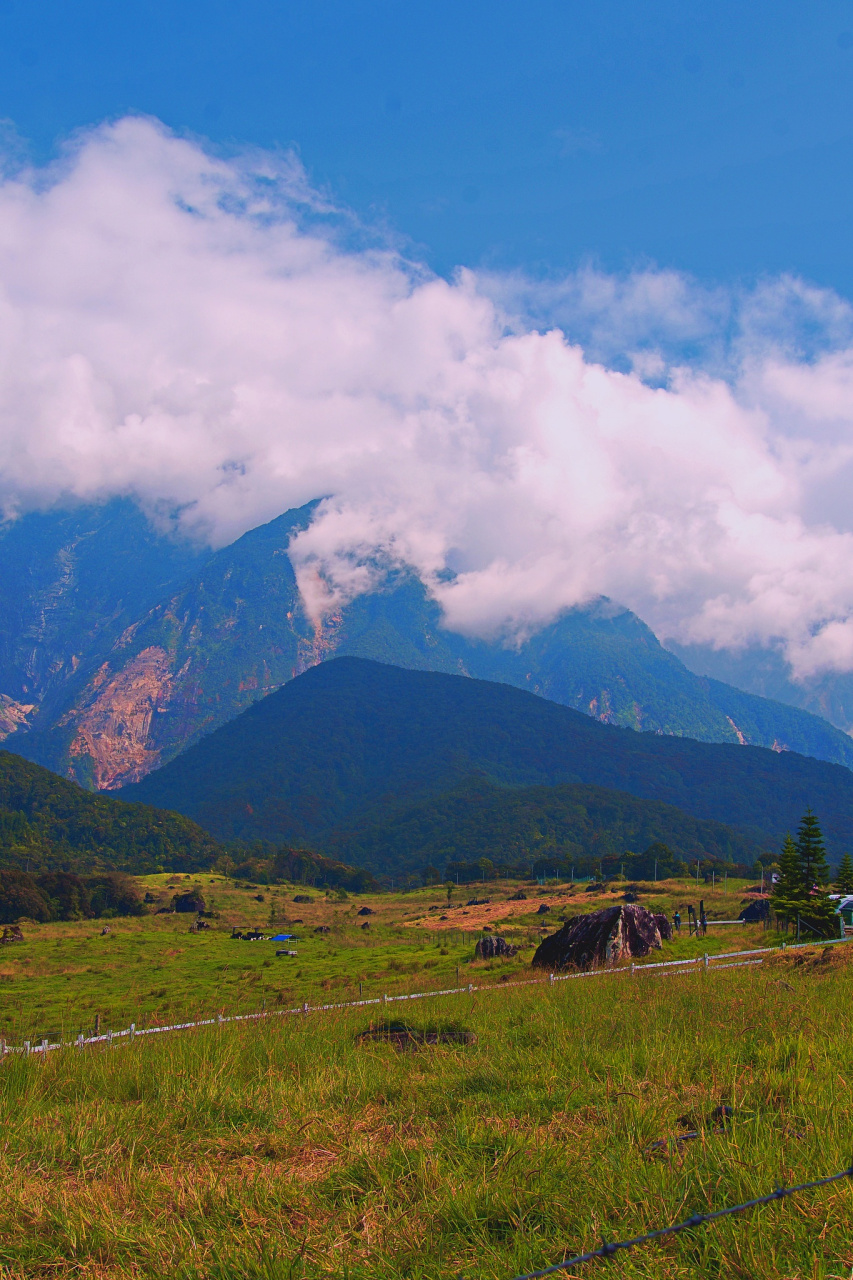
<point x="607" y="1249"/>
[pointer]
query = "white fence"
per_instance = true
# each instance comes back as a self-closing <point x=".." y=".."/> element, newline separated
<point x="706" y="962"/>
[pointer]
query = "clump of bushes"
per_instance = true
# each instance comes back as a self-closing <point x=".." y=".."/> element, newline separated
<point x="62" y="895"/>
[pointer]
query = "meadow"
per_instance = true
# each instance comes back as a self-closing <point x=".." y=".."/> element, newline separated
<point x="293" y="1148"/>
<point x="151" y="970"/>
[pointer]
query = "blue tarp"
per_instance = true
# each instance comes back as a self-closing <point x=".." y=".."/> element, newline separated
<point x="281" y="937"/>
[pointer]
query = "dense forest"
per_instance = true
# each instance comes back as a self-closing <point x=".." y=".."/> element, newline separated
<point x="265" y="863"/>
<point x="50" y="824"/>
<point x="346" y="745"/>
<point x="534" y="829"/>
<point x="62" y="895"/>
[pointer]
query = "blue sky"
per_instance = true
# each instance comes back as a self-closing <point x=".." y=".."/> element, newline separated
<point x="713" y="138"/>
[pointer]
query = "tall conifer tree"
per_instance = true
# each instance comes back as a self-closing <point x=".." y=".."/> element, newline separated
<point x="844" y="874"/>
<point x="812" y="852"/>
<point x="789" y="892"/>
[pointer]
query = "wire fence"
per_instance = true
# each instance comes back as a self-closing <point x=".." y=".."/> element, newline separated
<point x="692" y="964"/>
<point x="608" y="1250"/>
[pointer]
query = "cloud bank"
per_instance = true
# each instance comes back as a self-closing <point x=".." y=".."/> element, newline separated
<point x="212" y="336"/>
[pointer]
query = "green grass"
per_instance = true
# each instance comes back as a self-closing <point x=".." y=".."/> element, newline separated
<point x="289" y="1150"/>
<point x="150" y="970"/>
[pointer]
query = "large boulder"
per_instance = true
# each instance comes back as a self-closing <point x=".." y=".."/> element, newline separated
<point x="191" y="901"/>
<point x="602" y="937"/>
<point x="758" y="909"/>
<point x="490" y="945"/>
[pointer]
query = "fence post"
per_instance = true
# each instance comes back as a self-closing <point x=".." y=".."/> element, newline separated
<point x="109" y="1038"/>
<point x="706" y="959"/>
<point x="470" y="988"/>
<point x="551" y="979"/>
<point x="132" y="1030"/>
<point x="2" y="1048"/>
<point x="44" y="1045"/>
<point x="384" y="997"/>
<point x="80" y="1041"/>
<point x="632" y="968"/>
<point x="27" y="1048"/>
<point x="305" y="1007"/>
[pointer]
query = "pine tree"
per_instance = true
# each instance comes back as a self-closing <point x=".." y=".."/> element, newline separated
<point x="844" y="874"/>
<point x="812" y="851"/>
<point x="789" y="893"/>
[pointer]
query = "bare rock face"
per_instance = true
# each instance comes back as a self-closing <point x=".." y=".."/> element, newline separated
<point x="602" y="937"/>
<point x="491" y="945"/>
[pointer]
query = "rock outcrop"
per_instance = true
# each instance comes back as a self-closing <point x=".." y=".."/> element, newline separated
<point x="602" y="937"/>
<point x="13" y="715"/>
<point x="490" y="946"/>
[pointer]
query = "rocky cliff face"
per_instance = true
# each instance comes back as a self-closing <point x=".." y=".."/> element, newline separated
<point x="13" y="715"/>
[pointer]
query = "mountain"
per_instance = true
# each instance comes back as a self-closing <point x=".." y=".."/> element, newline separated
<point x="765" y="673"/>
<point x="50" y="824"/>
<point x="350" y="741"/>
<point x="121" y="646"/>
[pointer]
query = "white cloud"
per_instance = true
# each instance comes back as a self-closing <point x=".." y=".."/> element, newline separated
<point x="206" y="334"/>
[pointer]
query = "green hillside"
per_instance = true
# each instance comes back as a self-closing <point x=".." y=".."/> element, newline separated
<point x="48" y="824"/>
<point x="533" y="829"/>
<point x="322" y="753"/>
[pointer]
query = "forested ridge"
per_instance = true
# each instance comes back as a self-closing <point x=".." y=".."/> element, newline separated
<point x="48" y="823"/>
<point x="346" y="746"/>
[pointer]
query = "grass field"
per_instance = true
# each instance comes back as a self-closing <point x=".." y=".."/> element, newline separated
<point x="292" y="1149"/>
<point x="151" y="970"/>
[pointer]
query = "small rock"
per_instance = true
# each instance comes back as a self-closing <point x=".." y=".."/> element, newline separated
<point x="517" y="897"/>
<point x="542" y="909"/>
<point x="365" y="911"/>
<point x="366" y="924"/>
<point x="302" y="897"/>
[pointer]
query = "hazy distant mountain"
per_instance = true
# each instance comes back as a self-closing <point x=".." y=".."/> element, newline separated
<point x="341" y="748"/>
<point x="119" y="647"/>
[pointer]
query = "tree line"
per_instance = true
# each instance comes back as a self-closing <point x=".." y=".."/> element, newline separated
<point x="63" y="895"/>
